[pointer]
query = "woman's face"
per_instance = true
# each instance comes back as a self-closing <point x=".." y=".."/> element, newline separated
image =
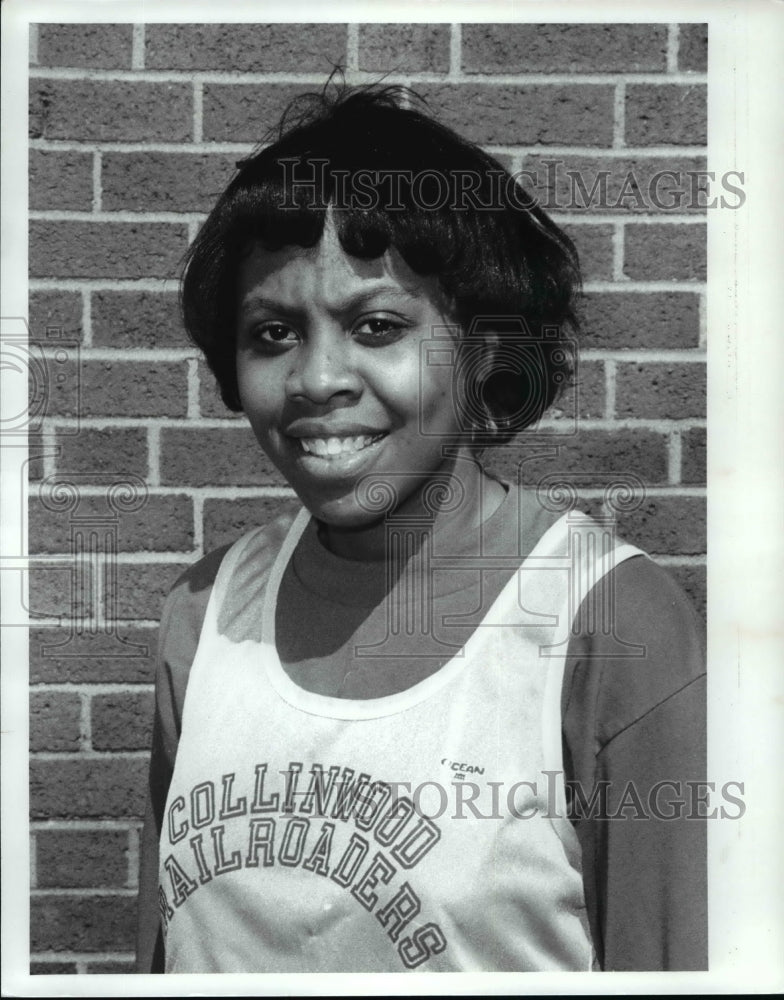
<point x="336" y="376"/>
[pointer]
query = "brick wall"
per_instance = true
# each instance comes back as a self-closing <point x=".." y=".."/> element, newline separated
<point x="134" y="130"/>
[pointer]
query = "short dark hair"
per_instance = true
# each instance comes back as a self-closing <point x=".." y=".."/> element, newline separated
<point x="497" y="255"/>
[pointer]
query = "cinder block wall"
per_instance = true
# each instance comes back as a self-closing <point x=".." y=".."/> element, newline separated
<point x="134" y="129"/>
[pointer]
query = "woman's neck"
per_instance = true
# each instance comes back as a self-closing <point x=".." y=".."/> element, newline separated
<point x="468" y="497"/>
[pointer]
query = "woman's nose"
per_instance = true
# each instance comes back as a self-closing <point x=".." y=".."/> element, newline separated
<point x="322" y="368"/>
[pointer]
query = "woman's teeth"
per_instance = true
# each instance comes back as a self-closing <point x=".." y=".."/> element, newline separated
<point x="326" y="447"/>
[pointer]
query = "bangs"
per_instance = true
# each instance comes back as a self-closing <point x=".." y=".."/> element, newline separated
<point x="415" y="211"/>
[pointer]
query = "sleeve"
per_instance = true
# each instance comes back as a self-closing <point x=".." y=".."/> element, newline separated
<point x="178" y="638"/>
<point x="634" y="749"/>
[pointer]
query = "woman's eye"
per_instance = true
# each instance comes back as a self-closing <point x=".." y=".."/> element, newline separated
<point x="379" y="329"/>
<point x="275" y="334"/>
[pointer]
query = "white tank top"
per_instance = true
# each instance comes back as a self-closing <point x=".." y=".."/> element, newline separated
<point x="423" y="830"/>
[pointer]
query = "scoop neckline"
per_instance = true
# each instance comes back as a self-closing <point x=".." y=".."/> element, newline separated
<point x="329" y="706"/>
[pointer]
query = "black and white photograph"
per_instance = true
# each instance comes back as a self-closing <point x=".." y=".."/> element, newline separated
<point x="391" y="478"/>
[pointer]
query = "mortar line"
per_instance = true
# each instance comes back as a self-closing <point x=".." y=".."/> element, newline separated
<point x="243" y="148"/>
<point x="198" y="524"/>
<point x="663" y="424"/>
<point x="198" y="111"/>
<point x="673" y="45"/>
<point x="193" y="389"/>
<point x="610" y="387"/>
<point x="51" y="452"/>
<point x="137" y="46"/>
<point x="674" y="458"/>
<point x="133" y="859"/>
<point x="352" y="47"/>
<point x="619" y="247"/>
<point x="619" y="116"/>
<point x="230" y="77"/>
<point x="85" y="721"/>
<point x="97" y="188"/>
<point x="87" y="318"/>
<point x="154" y="455"/>
<point x="90" y="688"/>
<point x="455" y="52"/>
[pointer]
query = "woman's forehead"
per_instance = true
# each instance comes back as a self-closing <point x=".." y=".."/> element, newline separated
<point x="327" y="273"/>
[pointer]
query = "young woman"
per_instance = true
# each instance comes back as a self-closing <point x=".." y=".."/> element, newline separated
<point x="371" y="715"/>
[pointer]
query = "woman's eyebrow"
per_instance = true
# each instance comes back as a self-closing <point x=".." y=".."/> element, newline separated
<point x="261" y="302"/>
<point x="361" y="298"/>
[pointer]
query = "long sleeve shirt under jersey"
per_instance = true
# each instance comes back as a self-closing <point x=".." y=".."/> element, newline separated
<point x="626" y="721"/>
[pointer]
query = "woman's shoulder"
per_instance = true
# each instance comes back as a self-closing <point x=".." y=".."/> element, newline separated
<point x="186" y="604"/>
<point x="650" y="647"/>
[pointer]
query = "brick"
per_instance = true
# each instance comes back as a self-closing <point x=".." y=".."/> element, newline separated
<point x="92" y="788"/>
<point x="641" y="320"/>
<point x="54" y="720"/>
<point x="226" y="520"/>
<point x="52" y="968"/>
<point x="665" y="252"/>
<point x="264" y="48"/>
<point x="564" y="48"/>
<point x="119" y="451"/>
<point x="618" y="184"/>
<point x="106" y="249"/>
<point x="54" y="591"/>
<point x="124" y="389"/>
<point x="508" y="114"/>
<point x="137" y="319"/>
<point x="593" y="455"/>
<point x="693" y="457"/>
<point x="694" y="582"/>
<point x="595" y="248"/>
<point x="668" y="114"/>
<point x="667" y="525"/>
<point x="93" y="46"/>
<point x="55" y="387"/>
<point x="92" y="924"/>
<point x="111" y="968"/>
<point x="55" y="315"/>
<point x="586" y="397"/>
<point x="58" y="655"/>
<point x="35" y="451"/>
<point x="667" y="390"/>
<point x="111" y="111"/>
<point x="404" y="48"/>
<point x="81" y="859"/>
<point x="164" y="182"/>
<point x="210" y="402"/>
<point x="693" y="48"/>
<point x="215" y="457"/>
<point x="61" y="180"/>
<point x="245" y="112"/>
<point x="122" y="721"/>
<point x="160" y="524"/>
<point x="135" y="389"/>
<point x="142" y="589"/>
